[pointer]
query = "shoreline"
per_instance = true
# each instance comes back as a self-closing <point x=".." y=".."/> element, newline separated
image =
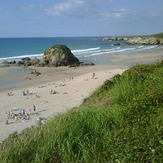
<point x="48" y="74"/>
<point x="70" y="93"/>
<point x="124" y="60"/>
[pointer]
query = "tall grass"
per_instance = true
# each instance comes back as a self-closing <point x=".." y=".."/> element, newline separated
<point x="120" y="122"/>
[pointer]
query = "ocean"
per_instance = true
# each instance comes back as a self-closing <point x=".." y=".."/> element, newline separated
<point x="86" y="49"/>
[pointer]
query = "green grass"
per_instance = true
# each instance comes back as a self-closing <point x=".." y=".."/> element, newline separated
<point x="120" y="122"/>
<point x="158" y="35"/>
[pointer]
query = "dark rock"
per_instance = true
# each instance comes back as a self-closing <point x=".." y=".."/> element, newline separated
<point x="20" y="63"/>
<point x="37" y="73"/>
<point x="6" y="65"/>
<point x="13" y="62"/>
<point x="6" y="62"/>
<point x="26" y="59"/>
<point x="35" y="61"/>
<point x="27" y="63"/>
<point x="116" y="44"/>
<point x="9" y="62"/>
<point x="87" y="64"/>
<point x="59" y="55"/>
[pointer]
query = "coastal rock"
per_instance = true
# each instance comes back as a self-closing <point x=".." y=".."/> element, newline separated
<point x="114" y="39"/>
<point x="145" y="41"/>
<point x="26" y="59"/>
<point x="87" y="64"/>
<point x="35" y="61"/>
<point x="34" y="72"/>
<point x="59" y="55"/>
<point x="156" y="39"/>
<point x="116" y="44"/>
<point x="9" y="62"/>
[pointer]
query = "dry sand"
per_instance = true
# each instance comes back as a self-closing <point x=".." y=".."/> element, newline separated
<point x="70" y="93"/>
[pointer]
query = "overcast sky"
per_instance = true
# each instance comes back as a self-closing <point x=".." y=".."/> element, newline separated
<point x="55" y="18"/>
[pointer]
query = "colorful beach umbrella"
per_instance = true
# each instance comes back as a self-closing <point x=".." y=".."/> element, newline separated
<point x="28" y="109"/>
<point x="16" y="109"/>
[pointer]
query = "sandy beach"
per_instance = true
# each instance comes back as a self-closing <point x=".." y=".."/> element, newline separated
<point x="69" y="85"/>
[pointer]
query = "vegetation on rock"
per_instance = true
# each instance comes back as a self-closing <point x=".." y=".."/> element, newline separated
<point x="59" y="55"/>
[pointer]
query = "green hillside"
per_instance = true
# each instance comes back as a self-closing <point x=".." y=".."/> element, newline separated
<point x="120" y="122"/>
<point x="159" y="35"/>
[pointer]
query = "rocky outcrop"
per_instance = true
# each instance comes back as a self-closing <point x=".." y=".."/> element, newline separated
<point x="114" y="39"/>
<point x="144" y="41"/>
<point x="59" y="55"/>
<point x="28" y="62"/>
<point x="117" y="44"/>
<point x="35" y="61"/>
<point x="87" y="64"/>
<point x="136" y="40"/>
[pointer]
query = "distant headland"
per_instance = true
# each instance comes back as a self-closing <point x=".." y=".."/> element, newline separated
<point x="156" y="39"/>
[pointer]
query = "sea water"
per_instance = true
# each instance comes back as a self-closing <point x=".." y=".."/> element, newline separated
<point x="86" y="49"/>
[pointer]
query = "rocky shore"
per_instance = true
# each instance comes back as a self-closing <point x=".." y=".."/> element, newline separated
<point x="56" y="56"/>
<point x="138" y="40"/>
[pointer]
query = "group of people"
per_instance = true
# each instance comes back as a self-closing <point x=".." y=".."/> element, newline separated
<point x="27" y="92"/>
<point x="23" y="115"/>
<point x="53" y="92"/>
<point x="10" y="94"/>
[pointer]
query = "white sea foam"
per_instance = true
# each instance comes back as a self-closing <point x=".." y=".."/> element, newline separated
<point x="150" y="47"/>
<point x="141" y="46"/>
<point x="108" y="51"/>
<point x="85" y="50"/>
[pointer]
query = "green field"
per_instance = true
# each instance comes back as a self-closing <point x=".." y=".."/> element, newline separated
<point x="120" y="122"/>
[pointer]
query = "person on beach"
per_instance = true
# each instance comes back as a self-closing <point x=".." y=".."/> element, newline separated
<point x="34" y="108"/>
<point x="7" y="121"/>
<point x="23" y="112"/>
<point x="51" y="91"/>
<point x="37" y="96"/>
<point x="24" y="93"/>
<point x="93" y="76"/>
<point x="55" y="92"/>
<point x="27" y="92"/>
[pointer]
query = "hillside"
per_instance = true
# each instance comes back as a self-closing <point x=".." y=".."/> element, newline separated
<point x="159" y="35"/>
<point x="155" y="39"/>
<point x="120" y="122"/>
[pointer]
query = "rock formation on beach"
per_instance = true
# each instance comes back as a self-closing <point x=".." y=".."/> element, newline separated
<point x="59" y="55"/>
<point x="144" y="41"/>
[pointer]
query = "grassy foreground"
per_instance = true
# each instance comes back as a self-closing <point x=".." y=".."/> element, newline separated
<point x="120" y="122"/>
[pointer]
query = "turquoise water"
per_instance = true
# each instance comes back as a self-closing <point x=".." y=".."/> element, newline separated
<point x="84" y="48"/>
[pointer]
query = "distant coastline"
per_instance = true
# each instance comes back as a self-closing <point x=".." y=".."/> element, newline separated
<point x="87" y="49"/>
<point x="156" y="39"/>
